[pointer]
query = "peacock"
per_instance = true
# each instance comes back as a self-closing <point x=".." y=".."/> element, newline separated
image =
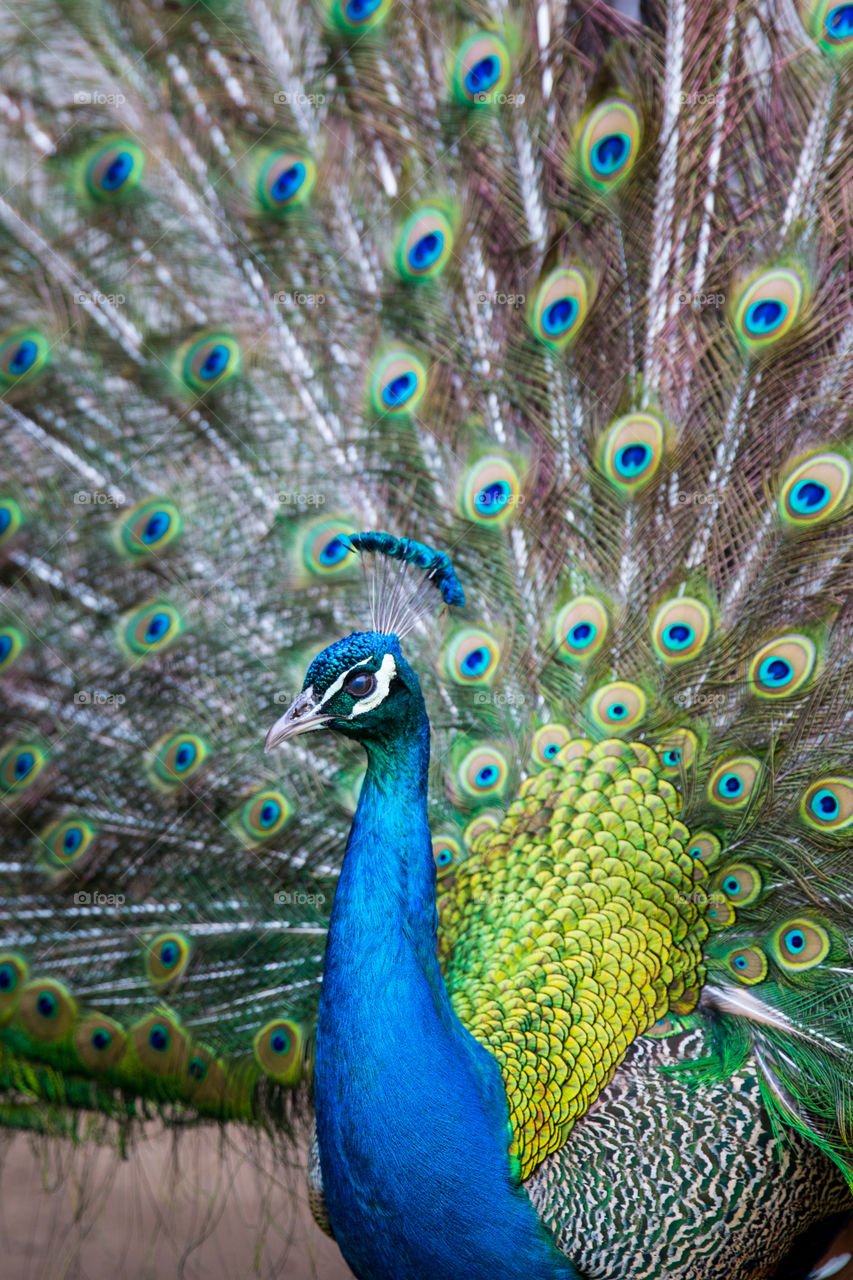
<point x="466" y="386"/>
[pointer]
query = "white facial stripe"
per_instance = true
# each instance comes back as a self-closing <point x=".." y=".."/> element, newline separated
<point x="338" y="684"/>
<point x="384" y="676"/>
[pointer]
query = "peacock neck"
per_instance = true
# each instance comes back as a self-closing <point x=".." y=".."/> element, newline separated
<point x="412" y="1116"/>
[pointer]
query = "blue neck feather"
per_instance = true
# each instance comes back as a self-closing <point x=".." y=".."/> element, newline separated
<point x="411" y="1111"/>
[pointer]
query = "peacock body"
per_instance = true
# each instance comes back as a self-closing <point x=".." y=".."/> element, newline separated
<point x="562" y="300"/>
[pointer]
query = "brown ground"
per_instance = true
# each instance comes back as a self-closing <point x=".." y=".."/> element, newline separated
<point x="211" y="1213"/>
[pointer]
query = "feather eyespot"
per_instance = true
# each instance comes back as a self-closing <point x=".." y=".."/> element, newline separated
<point x="482" y="774"/>
<point x="424" y="244"/>
<point x="618" y="706"/>
<point x="63" y="843"/>
<point x="13" y="975"/>
<point x="768" y="308"/>
<point x="632" y="450"/>
<point x="174" y="758"/>
<point x="831" y="25"/>
<point x="281" y="1050"/>
<point x="815" y="490"/>
<point x="680" y="629"/>
<point x="261" y="817"/>
<point x="580" y="629"/>
<point x="828" y="804"/>
<point x="800" y="944"/>
<point x="748" y="964"/>
<point x="609" y="144"/>
<point x="491" y="491"/>
<point x="740" y="883"/>
<point x="326" y="552"/>
<point x="705" y="847"/>
<point x="100" y="1042"/>
<point x="112" y="170"/>
<point x="733" y="782"/>
<point x="166" y="958"/>
<point x="20" y="765"/>
<point x="357" y="17"/>
<point x="23" y="353"/>
<point x="398" y="383"/>
<point x="677" y="752"/>
<point x="150" y="629"/>
<point x="781" y="667"/>
<point x="481" y="69"/>
<point x="11" y="519"/>
<point x="285" y="180"/>
<point x="471" y="657"/>
<point x="548" y="742"/>
<point x="480" y="828"/>
<point x="148" y="528"/>
<point x="208" y="361"/>
<point x="446" y="853"/>
<point x="12" y="644"/>
<point x="160" y="1044"/>
<point x="560" y="306"/>
<point x="46" y="1009"/>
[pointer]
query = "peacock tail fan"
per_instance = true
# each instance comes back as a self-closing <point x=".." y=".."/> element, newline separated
<point x="561" y="300"/>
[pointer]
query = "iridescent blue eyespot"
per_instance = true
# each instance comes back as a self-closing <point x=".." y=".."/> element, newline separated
<point x="764" y="316"/>
<point x="335" y="550"/>
<point x="483" y="75"/>
<point x="671" y="758"/>
<point x="631" y="460"/>
<point x="824" y="805"/>
<point x="24" y="357"/>
<point x="169" y="954"/>
<point x="808" y="497"/>
<point x="775" y="671"/>
<point x="839" y="22"/>
<point x="399" y="390"/>
<point x="426" y="251"/>
<point x="731" y="784"/>
<point x="8" y="977"/>
<point x="494" y="496"/>
<point x="559" y="317"/>
<point x="678" y="635"/>
<point x="286" y="184"/>
<point x="101" y="1039"/>
<point x="159" y="1038"/>
<point x="270" y="813"/>
<point x="608" y="154"/>
<point x="487" y="775"/>
<point x="156" y="526"/>
<point x="47" y="1004"/>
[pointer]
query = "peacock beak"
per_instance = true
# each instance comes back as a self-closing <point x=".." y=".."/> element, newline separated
<point x="300" y="717"/>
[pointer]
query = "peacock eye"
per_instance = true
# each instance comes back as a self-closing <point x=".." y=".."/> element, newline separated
<point x="361" y="684"/>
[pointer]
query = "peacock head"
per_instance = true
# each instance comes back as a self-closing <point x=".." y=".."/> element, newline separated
<point x="360" y="686"/>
